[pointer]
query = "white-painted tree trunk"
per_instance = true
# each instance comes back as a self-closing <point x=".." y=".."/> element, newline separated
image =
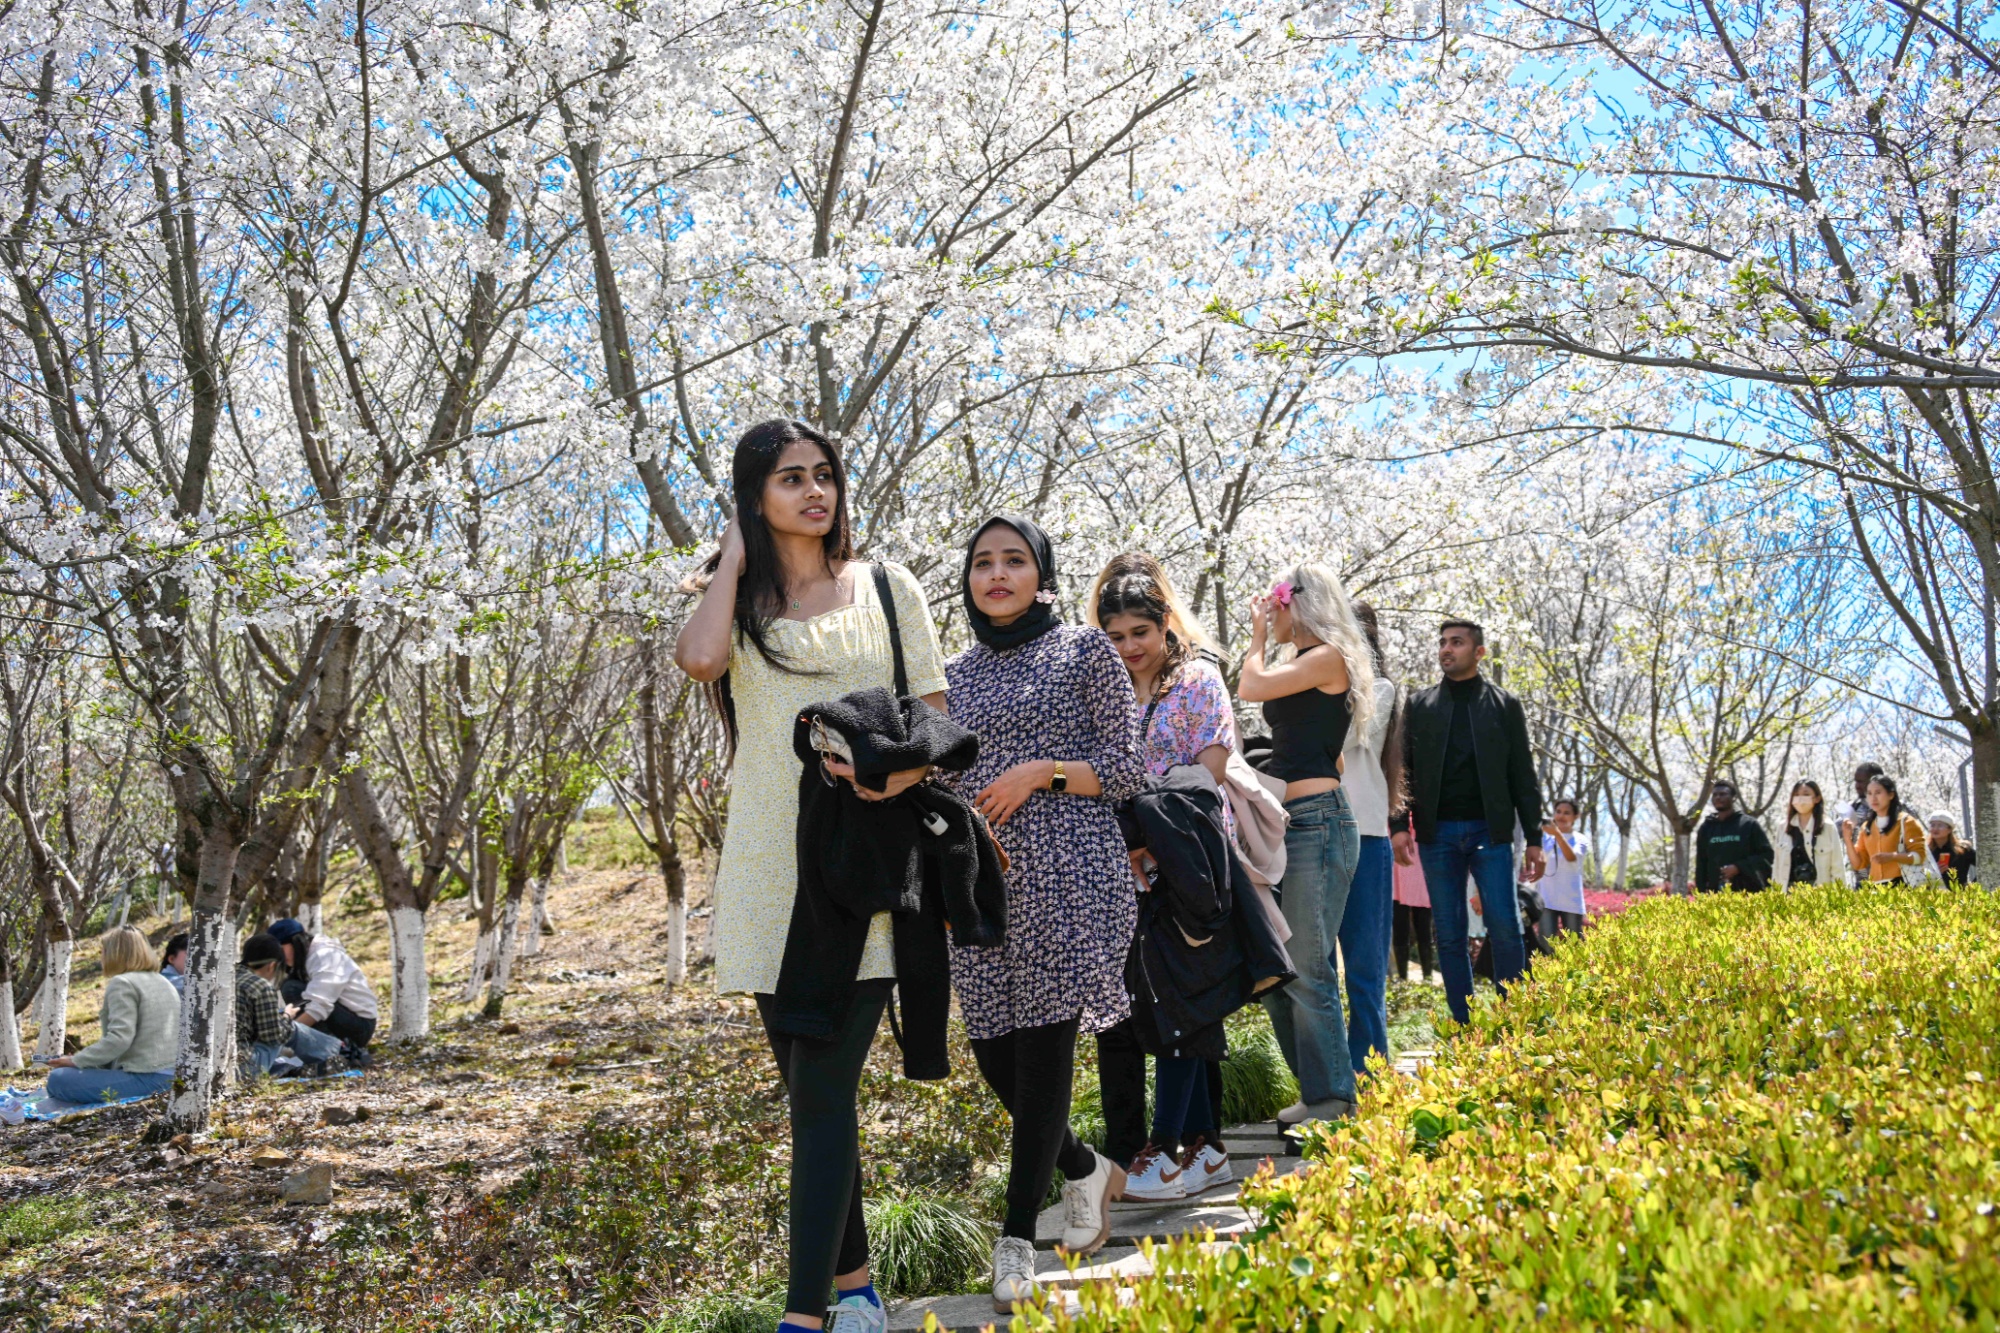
<point x="52" y="1006"/>
<point x="208" y="1012"/>
<point x="677" y="941"/>
<point x="482" y="966"/>
<point x="1624" y="850"/>
<point x="409" y="980"/>
<point x="10" y="1024"/>
<point x="503" y="954"/>
<point x="312" y="919"/>
<point x="539" y="924"/>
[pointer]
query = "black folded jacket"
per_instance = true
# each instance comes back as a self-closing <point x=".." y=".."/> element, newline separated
<point x="1203" y="948"/>
<point x="924" y="855"/>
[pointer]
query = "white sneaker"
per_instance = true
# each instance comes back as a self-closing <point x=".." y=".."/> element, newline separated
<point x="1087" y="1207"/>
<point x="1155" y="1176"/>
<point x="1204" y="1166"/>
<point x="1295" y="1114"/>
<point x="1013" y="1273"/>
<point x="857" y="1314"/>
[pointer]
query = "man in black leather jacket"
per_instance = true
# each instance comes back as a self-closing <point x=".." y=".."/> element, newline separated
<point x="1472" y="781"/>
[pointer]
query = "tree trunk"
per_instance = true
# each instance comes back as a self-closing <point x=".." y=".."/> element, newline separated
<point x="1683" y="841"/>
<point x="1986" y="799"/>
<point x="10" y="1027"/>
<point x="503" y="944"/>
<point x="538" y="917"/>
<point x="675" y="873"/>
<point x="208" y="1009"/>
<point x="485" y="878"/>
<point x="409" y="979"/>
<point x="52" y="1002"/>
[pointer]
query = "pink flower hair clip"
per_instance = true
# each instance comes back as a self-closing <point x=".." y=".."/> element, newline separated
<point x="1281" y="593"/>
<point x="1045" y="595"/>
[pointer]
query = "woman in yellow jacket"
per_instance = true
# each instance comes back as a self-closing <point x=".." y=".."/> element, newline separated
<point x="1889" y="840"/>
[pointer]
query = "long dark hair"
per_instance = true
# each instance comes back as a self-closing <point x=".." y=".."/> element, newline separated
<point x="302" y="944"/>
<point x="1819" y="803"/>
<point x="761" y="593"/>
<point x="1141" y="595"/>
<point x="1392" y="739"/>
<point x="1895" y="812"/>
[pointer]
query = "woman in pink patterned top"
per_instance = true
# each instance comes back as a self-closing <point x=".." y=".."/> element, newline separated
<point x="1186" y="719"/>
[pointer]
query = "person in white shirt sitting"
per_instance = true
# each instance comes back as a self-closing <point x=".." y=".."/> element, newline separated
<point x="1563" y="851"/>
<point x="323" y="988"/>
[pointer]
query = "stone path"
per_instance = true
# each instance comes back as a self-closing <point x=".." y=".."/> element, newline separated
<point x="1120" y="1260"/>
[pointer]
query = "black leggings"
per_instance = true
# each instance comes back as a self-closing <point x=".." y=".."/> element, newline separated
<point x="1413" y="927"/>
<point x="1031" y="1069"/>
<point x="822" y="1079"/>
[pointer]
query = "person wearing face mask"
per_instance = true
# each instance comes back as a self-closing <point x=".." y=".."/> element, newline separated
<point x="1058" y="727"/>
<point x="1809" y="850"/>
<point x="1889" y="845"/>
<point x="788" y="618"/>
<point x="1731" y="850"/>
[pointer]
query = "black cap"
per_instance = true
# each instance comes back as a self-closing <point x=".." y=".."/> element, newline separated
<point x="261" y="949"/>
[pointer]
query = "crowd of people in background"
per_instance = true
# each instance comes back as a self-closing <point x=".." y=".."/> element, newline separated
<point x="1160" y="869"/>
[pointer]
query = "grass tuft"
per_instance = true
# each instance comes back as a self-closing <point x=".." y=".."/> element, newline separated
<point x="39" y="1221"/>
<point x="920" y="1245"/>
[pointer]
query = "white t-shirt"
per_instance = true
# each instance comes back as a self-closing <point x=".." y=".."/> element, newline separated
<point x="1562" y="882"/>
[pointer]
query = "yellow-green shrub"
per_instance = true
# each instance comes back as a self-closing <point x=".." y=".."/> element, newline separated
<point x="1744" y="1112"/>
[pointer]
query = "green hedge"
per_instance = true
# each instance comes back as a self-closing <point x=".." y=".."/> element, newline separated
<point x="1742" y="1112"/>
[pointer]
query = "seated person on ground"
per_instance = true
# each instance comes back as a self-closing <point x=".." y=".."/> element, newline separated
<point x="323" y="987"/>
<point x="262" y="1028"/>
<point x="174" y="962"/>
<point x="141" y="1024"/>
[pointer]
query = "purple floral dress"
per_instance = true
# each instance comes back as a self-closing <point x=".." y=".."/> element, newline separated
<point x="1071" y="906"/>
<point x="1190" y="715"/>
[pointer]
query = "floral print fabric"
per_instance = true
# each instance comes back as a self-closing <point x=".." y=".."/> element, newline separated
<point x="1071" y="902"/>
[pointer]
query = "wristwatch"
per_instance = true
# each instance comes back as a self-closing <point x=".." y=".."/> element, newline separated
<point x="1058" y="782"/>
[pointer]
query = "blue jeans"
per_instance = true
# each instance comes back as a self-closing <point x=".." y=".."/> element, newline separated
<point x="1365" y="932"/>
<point x="70" y="1084"/>
<point x="1466" y="847"/>
<point x="1321" y="846"/>
<point x="309" y="1044"/>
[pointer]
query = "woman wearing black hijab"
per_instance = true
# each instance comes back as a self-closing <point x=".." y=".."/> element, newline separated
<point x="1058" y="749"/>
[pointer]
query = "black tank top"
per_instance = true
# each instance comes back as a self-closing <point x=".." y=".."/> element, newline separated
<point x="1308" y="732"/>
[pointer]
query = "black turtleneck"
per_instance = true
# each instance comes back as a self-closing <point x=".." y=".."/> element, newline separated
<point x="1458" y="792"/>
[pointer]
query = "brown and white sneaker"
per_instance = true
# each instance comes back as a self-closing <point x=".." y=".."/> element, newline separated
<point x="1204" y="1165"/>
<point x="1154" y="1175"/>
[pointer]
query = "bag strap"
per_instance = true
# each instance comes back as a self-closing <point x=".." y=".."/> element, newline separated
<point x="888" y="601"/>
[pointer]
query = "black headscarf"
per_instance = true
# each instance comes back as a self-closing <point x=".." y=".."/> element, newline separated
<point x="1040" y="618"/>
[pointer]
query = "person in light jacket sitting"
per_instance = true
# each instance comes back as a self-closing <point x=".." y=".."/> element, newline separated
<point x="323" y="986"/>
<point x="140" y="1022"/>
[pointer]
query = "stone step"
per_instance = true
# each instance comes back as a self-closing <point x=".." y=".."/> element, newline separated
<point x="1133" y="1221"/>
<point x="968" y="1314"/>
<point x="1113" y="1263"/>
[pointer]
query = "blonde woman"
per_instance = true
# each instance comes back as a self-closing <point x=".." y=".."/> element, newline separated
<point x="1319" y="690"/>
<point x="140" y="1020"/>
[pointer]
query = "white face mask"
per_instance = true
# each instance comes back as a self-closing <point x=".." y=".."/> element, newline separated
<point x="1802" y="804"/>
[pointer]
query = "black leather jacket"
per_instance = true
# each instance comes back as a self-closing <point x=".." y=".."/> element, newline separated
<point x="1508" y="787"/>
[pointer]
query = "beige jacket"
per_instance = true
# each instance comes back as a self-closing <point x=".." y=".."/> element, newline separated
<point x="1258" y="802"/>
